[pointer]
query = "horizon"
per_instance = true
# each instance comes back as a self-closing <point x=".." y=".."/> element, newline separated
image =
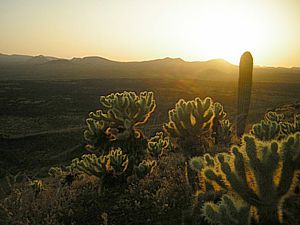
<point x="162" y="58"/>
<point x="191" y="30"/>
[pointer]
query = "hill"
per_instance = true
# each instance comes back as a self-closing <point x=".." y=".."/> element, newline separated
<point x="18" y="67"/>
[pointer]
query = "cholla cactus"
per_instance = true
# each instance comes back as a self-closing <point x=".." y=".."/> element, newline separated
<point x="291" y="128"/>
<point x="273" y="116"/>
<point x="222" y="128"/>
<point x="114" y="163"/>
<point x="266" y="130"/>
<point x="91" y="165"/>
<point x="123" y="112"/>
<point x="191" y="123"/>
<point x="145" y="167"/>
<point x="158" y="145"/>
<point x="196" y="163"/>
<point x="37" y="186"/>
<point x="117" y="162"/>
<point x="261" y="173"/>
<point x="199" y="124"/>
<point x="95" y="135"/>
<point x="229" y="211"/>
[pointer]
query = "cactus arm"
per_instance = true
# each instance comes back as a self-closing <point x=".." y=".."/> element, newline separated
<point x="291" y="162"/>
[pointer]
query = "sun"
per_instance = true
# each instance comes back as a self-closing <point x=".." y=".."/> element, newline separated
<point x="219" y="33"/>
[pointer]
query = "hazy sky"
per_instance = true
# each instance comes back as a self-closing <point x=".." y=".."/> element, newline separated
<point x="129" y="30"/>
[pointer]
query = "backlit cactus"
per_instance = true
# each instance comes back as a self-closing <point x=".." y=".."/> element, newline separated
<point x="261" y="173"/>
<point x="229" y="211"/>
<point x="222" y="128"/>
<point x="266" y="130"/>
<point x="145" y="167"/>
<point x="124" y="112"/>
<point x="158" y="145"/>
<point x="190" y="119"/>
<point x="118" y="119"/>
<point x="117" y="162"/>
<point x="244" y="91"/>
<point x="95" y="135"/>
<point x="274" y="117"/>
<point x="91" y="164"/>
<point x="199" y="126"/>
<point x="190" y="124"/>
<point x="291" y="128"/>
<point x="114" y="163"/>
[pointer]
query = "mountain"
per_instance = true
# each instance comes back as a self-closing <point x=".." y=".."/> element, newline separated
<point x="24" y="59"/>
<point x="93" y="67"/>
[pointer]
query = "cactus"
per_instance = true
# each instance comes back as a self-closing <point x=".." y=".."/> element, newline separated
<point x="196" y="163"/>
<point x="266" y="130"/>
<point x="244" y="91"/>
<point x="291" y="128"/>
<point x="158" y="145"/>
<point x="95" y="135"/>
<point x="114" y="163"/>
<point x="123" y="112"/>
<point x="37" y="186"/>
<point x="229" y="211"/>
<point x="222" y="128"/>
<point x="91" y="165"/>
<point x="117" y="162"/>
<point x="145" y="167"/>
<point x="118" y="119"/>
<point x="190" y="123"/>
<point x="261" y="173"/>
<point x="273" y="116"/>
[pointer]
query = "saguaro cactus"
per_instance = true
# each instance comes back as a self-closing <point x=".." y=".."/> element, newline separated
<point x="244" y="91"/>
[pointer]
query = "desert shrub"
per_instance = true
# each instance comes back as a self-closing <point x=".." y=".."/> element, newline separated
<point x="54" y="205"/>
<point x="161" y="197"/>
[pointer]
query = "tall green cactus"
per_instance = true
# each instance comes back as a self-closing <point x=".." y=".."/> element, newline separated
<point x="261" y="173"/>
<point x="244" y="91"/>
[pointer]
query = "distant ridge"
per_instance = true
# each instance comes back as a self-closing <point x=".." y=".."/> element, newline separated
<point x="94" y="67"/>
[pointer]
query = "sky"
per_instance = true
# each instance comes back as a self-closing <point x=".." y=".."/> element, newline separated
<point x="137" y="30"/>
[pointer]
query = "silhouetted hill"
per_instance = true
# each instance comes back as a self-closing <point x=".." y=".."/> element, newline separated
<point x="51" y="68"/>
<point x="24" y="59"/>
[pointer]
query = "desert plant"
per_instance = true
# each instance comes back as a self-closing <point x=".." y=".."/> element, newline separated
<point x="261" y="173"/>
<point x="144" y="168"/>
<point x="114" y="163"/>
<point x="244" y="91"/>
<point x="229" y="211"/>
<point x="118" y="119"/>
<point x="266" y="130"/>
<point x="158" y="145"/>
<point x="291" y="127"/>
<point x="197" y="125"/>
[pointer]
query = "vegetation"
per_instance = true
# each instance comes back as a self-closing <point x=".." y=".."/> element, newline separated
<point x="192" y="169"/>
<point x="244" y="91"/>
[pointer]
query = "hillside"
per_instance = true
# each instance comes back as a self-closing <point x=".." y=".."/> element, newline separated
<point x="49" y="68"/>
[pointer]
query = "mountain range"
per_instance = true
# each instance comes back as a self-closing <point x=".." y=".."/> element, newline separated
<point x="93" y="67"/>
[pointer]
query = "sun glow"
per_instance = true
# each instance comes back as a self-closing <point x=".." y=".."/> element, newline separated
<point x="138" y="30"/>
<point x="223" y="32"/>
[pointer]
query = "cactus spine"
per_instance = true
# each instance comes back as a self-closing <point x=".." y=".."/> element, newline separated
<point x="244" y="91"/>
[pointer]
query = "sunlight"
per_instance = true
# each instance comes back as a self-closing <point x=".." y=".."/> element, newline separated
<point x="220" y="33"/>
